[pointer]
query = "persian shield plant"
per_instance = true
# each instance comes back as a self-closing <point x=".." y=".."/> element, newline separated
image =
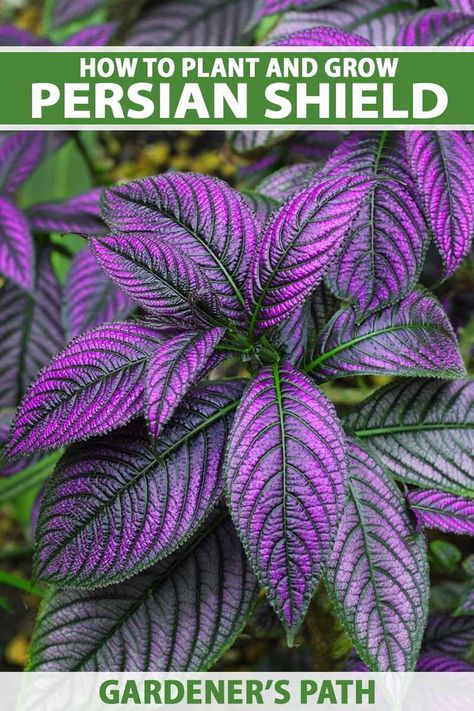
<point x="183" y="494"/>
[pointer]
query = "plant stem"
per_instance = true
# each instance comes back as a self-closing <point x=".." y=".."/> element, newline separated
<point x="16" y="581"/>
<point x="48" y="10"/>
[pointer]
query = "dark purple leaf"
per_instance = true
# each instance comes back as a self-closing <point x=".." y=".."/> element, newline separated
<point x="298" y="245"/>
<point x="322" y="37"/>
<point x="449" y="635"/>
<point x="412" y="338"/>
<point x="80" y="214"/>
<point x="94" y="36"/>
<point x="443" y="166"/>
<point x="376" y="20"/>
<point x="138" y="503"/>
<point x="422" y="431"/>
<point x="248" y="141"/>
<point x="16" y="246"/>
<point x="13" y="36"/>
<point x="433" y="662"/>
<point x="32" y="331"/>
<point x="377" y="575"/>
<point x="383" y="255"/>
<point x="66" y="11"/>
<point x="94" y="385"/>
<point x="90" y="297"/>
<point x="262" y="205"/>
<point x="435" y="27"/>
<point x="20" y="153"/>
<point x="273" y="7"/>
<point x="286" y="467"/>
<point x="210" y="23"/>
<point x="445" y="512"/>
<point x="313" y="145"/>
<point x="209" y="221"/>
<point x="466" y="6"/>
<point x="159" y="277"/>
<point x="287" y="181"/>
<point x="176" y="365"/>
<point x="8" y="469"/>
<point x="180" y="615"/>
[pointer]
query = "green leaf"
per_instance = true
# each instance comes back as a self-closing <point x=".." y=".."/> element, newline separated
<point x="32" y="477"/>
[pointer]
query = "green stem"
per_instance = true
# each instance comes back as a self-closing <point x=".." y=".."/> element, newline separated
<point x="48" y="9"/>
<point x="15" y="581"/>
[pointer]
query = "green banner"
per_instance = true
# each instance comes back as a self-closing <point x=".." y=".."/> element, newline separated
<point x="276" y="88"/>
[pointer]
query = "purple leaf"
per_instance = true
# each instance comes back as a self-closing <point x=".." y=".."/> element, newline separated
<point x="435" y="27"/>
<point x="449" y="635"/>
<point x="14" y="36"/>
<point x="137" y="503"/>
<point x="376" y="20"/>
<point x="411" y="426"/>
<point x="443" y="166"/>
<point x="94" y="36"/>
<point x="32" y="331"/>
<point x="175" y="366"/>
<point x="94" y="385"/>
<point x="433" y="662"/>
<point x="287" y="181"/>
<point x="445" y="512"/>
<point x="90" y="297"/>
<point x="8" y="469"/>
<point x="16" y="246"/>
<point x="286" y="468"/>
<point x="377" y="575"/>
<point x="20" y="153"/>
<point x="80" y="214"/>
<point x="322" y="37"/>
<point x="208" y="220"/>
<point x="67" y="11"/>
<point x="248" y="141"/>
<point x="210" y="23"/>
<point x="272" y="7"/>
<point x="157" y="276"/>
<point x="466" y="6"/>
<point x="383" y="255"/>
<point x="298" y="245"/>
<point x="180" y="615"/>
<point x="412" y="338"/>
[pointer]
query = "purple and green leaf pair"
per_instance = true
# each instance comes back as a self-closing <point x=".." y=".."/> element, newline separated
<point x="211" y="279"/>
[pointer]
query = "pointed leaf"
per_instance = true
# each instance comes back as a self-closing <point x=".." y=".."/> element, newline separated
<point x="20" y="153"/>
<point x="434" y="28"/>
<point x="377" y="575"/>
<point x="412" y="338"/>
<point x="193" y="23"/>
<point x="176" y="365"/>
<point x="423" y="431"/>
<point x="137" y="503"/>
<point x="286" y="467"/>
<point x="90" y="297"/>
<point x="158" y="277"/>
<point x="433" y="662"/>
<point x="383" y="255"/>
<point x="16" y="246"/>
<point x="94" y="385"/>
<point x="376" y="20"/>
<point x="209" y="221"/>
<point x="445" y="512"/>
<point x="32" y="331"/>
<point x="322" y="37"/>
<point x="14" y="36"/>
<point x="298" y="245"/>
<point x="287" y="181"/>
<point x="93" y="36"/>
<point x="449" y="635"/>
<point x="180" y="615"/>
<point x="67" y="11"/>
<point x="80" y="214"/>
<point x="443" y="166"/>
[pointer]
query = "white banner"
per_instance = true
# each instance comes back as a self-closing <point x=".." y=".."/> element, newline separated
<point x="185" y="692"/>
